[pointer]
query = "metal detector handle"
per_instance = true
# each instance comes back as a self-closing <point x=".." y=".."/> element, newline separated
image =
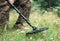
<point x="28" y="22"/>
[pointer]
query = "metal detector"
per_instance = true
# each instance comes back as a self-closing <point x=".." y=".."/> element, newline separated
<point x="34" y="29"/>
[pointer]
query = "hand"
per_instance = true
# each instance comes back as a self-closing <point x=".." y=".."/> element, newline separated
<point x="11" y="1"/>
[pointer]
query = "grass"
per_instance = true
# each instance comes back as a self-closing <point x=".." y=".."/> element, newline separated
<point x="49" y="20"/>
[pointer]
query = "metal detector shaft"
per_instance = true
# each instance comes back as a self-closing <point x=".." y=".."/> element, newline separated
<point x="28" y="22"/>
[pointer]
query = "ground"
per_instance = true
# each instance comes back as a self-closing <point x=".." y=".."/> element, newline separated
<point x="49" y="20"/>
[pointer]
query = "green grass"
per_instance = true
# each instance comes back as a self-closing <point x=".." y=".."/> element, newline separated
<point x="49" y="20"/>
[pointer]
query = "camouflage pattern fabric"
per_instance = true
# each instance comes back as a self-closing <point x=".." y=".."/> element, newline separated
<point x="23" y="5"/>
<point x="4" y="17"/>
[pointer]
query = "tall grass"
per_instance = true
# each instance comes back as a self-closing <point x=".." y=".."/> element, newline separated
<point x="48" y="19"/>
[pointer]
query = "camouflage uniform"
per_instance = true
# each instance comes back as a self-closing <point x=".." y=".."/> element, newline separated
<point x="23" y="5"/>
<point x="4" y="16"/>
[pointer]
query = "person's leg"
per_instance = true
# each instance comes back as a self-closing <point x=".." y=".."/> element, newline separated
<point x="24" y="7"/>
<point x="4" y="18"/>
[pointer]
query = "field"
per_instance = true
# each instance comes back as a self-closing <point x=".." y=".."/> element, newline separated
<point x="48" y="19"/>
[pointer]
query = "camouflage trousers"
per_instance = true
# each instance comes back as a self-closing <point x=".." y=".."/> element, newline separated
<point x="23" y="6"/>
<point x="4" y="17"/>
